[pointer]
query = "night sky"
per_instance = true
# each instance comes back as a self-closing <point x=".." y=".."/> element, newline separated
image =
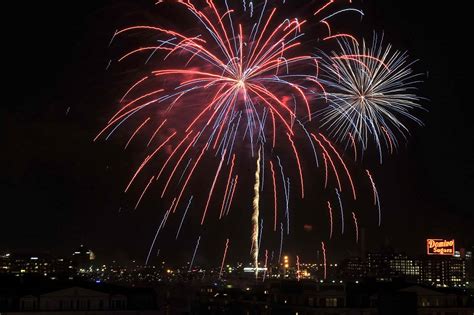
<point x="60" y="189"/>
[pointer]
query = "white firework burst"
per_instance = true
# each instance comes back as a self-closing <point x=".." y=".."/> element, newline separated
<point x="369" y="94"/>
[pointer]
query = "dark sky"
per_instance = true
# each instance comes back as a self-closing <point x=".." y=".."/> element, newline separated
<point x="60" y="189"/>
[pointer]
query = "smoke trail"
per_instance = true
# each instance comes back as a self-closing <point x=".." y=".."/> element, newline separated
<point x="298" y="267"/>
<point x="323" y="248"/>
<point x="255" y="215"/>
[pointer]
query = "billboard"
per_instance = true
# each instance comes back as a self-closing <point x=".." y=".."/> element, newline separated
<point x="440" y="247"/>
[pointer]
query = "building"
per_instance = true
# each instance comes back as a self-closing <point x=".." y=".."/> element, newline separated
<point x="36" y="263"/>
<point x="438" y="270"/>
<point x="443" y="271"/>
<point x="35" y="295"/>
<point x="385" y="266"/>
<point x="83" y="257"/>
<point x="353" y="268"/>
<point x="73" y="299"/>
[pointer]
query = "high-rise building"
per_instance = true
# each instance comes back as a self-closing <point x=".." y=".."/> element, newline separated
<point x="387" y="265"/>
<point x="439" y="270"/>
<point x="443" y="271"/>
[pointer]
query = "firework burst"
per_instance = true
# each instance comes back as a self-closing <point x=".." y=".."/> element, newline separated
<point x="239" y="86"/>
<point x="370" y="93"/>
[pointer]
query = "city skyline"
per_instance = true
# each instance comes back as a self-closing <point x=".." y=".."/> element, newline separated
<point x="62" y="190"/>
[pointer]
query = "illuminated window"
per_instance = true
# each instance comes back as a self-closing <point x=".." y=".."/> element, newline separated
<point x="331" y="302"/>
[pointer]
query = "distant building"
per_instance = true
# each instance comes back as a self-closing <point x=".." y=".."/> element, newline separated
<point x="353" y="268"/>
<point x="83" y="257"/>
<point x="328" y="298"/>
<point x="31" y="295"/>
<point x="470" y="267"/>
<point x="443" y="271"/>
<point x="387" y="265"/>
<point x="73" y="299"/>
<point x="35" y="263"/>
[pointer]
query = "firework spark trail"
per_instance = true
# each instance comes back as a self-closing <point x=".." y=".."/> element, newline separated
<point x="171" y="156"/>
<point x="323" y="248"/>
<point x="223" y="258"/>
<point x="287" y="208"/>
<point x="190" y="174"/>
<point x="162" y="224"/>
<point x="325" y="170"/>
<point x="388" y="137"/>
<point x="353" y="144"/>
<point x="155" y="133"/>
<point x="135" y="132"/>
<point x="212" y="189"/>
<point x="281" y="242"/>
<point x="143" y="193"/>
<point x="194" y="254"/>
<point x="275" y="203"/>
<point x="236" y="180"/>
<point x="184" y="216"/>
<point x="260" y="235"/>
<point x="298" y="163"/>
<point x="356" y="226"/>
<point x="298" y="267"/>
<point x="147" y="159"/>
<point x="308" y="135"/>
<point x="342" y="210"/>
<point x="343" y="164"/>
<point x="376" y="196"/>
<point x="328" y="156"/>
<point x="265" y="265"/>
<point x="255" y="215"/>
<point x="180" y="159"/>
<point x="379" y="210"/>
<point x="330" y="220"/>
<point x="227" y="187"/>
<point x="184" y="171"/>
<point x="285" y="188"/>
